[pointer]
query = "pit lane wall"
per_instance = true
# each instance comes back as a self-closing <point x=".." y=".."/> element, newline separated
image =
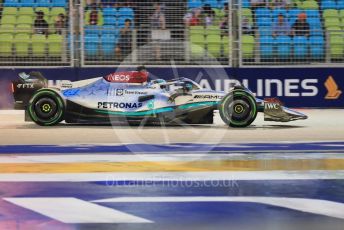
<point x="296" y="87"/>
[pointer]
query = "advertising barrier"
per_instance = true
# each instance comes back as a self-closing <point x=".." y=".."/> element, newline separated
<point x="296" y="87"/>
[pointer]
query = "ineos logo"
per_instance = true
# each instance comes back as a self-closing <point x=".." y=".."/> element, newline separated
<point x="119" y="78"/>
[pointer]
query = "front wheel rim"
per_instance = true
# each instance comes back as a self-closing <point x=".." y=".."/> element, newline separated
<point x="239" y="109"/>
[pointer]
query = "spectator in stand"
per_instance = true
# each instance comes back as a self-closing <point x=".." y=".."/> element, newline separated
<point x="259" y="3"/>
<point x="281" y="27"/>
<point x="224" y="26"/>
<point x="246" y="26"/>
<point x="285" y="4"/>
<point x="94" y="17"/>
<point x="225" y="9"/>
<point x="129" y="4"/>
<point x="115" y="5"/>
<point x="106" y="3"/>
<point x="158" y="23"/>
<point x="158" y="20"/>
<point x="40" y="25"/>
<point x="60" y="24"/>
<point x="192" y="18"/>
<point x="301" y="26"/>
<point x="208" y="15"/>
<point x="92" y="4"/>
<point x="125" y="39"/>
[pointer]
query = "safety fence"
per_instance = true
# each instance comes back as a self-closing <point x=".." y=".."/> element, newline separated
<point x="187" y="32"/>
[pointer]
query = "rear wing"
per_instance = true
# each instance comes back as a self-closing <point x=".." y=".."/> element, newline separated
<point x="25" y="86"/>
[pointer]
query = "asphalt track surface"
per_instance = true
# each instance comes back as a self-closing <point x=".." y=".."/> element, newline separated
<point x="322" y="125"/>
<point x="268" y="176"/>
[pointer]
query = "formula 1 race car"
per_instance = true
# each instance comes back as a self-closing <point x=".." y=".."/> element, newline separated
<point x="131" y="97"/>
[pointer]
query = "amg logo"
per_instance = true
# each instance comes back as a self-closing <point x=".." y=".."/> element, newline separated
<point x="211" y="97"/>
<point x="271" y="106"/>
<point x="116" y="105"/>
<point x="25" y="86"/>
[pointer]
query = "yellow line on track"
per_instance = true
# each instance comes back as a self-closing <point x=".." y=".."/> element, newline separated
<point x="193" y="166"/>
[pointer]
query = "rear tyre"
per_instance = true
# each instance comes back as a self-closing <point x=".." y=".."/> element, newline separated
<point x="46" y="108"/>
<point x="238" y="108"/>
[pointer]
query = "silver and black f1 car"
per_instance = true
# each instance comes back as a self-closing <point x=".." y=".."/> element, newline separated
<point x="131" y="97"/>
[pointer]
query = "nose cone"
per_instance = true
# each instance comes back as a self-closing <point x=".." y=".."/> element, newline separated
<point x="303" y="117"/>
<point x="295" y="115"/>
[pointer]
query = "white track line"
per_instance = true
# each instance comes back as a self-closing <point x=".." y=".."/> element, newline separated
<point x="12" y="112"/>
<point x="73" y="211"/>
<point x="234" y="143"/>
<point x="112" y="178"/>
<point x="315" y="206"/>
<point x="95" y="157"/>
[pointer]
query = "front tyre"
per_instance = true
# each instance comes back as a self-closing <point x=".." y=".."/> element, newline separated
<point x="238" y="108"/>
<point x="46" y="108"/>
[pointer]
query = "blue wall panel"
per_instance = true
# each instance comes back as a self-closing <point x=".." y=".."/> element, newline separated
<point x="297" y="87"/>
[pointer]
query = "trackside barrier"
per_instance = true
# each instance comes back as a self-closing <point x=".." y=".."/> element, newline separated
<point x="297" y="87"/>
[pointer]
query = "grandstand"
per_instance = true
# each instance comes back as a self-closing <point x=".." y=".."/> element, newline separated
<point x="189" y="32"/>
<point x="24" y="41"/>
<point x="324" y="42"/>
<point x="102" y="38"/>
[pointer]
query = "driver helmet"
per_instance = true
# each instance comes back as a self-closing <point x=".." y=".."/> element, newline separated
<point x="159" y="81"/>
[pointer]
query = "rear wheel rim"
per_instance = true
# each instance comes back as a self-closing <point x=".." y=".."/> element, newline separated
<point x="45" y="108"/>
